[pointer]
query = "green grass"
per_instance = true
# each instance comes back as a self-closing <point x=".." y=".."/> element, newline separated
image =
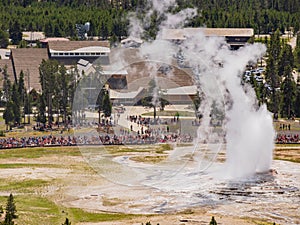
<point x="171" y="113"/>
<point x="38" y="152"/>
<point x="34" y="210"/>
<point x="25" y="186"/>
<point x="287" y="145"/>
<point x="287" y="159"/>
<point x="149" y="159"/>
<point x="163" y="147"/>
<point x="79" y="215"/>
<point x="26" y="165"/>
<point x="120" y="149"/>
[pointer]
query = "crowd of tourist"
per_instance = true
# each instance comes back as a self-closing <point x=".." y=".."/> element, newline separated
<point x="125" y="137"/>
<point x="145" y="121"/>
<point x="287" y="138"/>
<point x="106" y="139"/>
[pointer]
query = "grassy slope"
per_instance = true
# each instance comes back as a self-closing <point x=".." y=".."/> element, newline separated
<point x="31" y="206"/>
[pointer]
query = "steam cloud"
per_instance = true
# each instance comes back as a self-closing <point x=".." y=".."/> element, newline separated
<point x="249" y="130"/>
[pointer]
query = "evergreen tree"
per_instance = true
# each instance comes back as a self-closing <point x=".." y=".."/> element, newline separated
<point x="41" y="109"/>
<point x="286" y="59"/>
<point x="49" y="81"/>
<point x="16" y="104"/>
<point x="106" y="105"/>
<point x="297" y="102"/>
<point x="67" y="222"/>
<point x="6" y="85"/>
<point x="64" y="81"/>
<point x="10" y="211"/>
<point x="27" y="105"/>
<point x="288" y="89"/>
<point x="275" y="45"/>
<point x="272" y="79"/>
<point x="197" y="103"/>
<point x="15" y="33"/>
<point x="8" y="115"/>
<point x="213" y="221"/>
<point x="149" y="101"/>
<point x="4" y="41"/>
<point x="21" y="88"/>
<point x="297" y="52"/>
<point x="99" y="103"/>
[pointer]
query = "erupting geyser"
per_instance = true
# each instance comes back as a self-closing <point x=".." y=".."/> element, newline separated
<point x="217" y="70"/>
<point x="244" y="128"/>
<point x="225" y="168"/>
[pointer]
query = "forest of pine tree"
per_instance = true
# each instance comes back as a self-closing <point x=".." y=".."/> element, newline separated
<point x="108" y="18"/>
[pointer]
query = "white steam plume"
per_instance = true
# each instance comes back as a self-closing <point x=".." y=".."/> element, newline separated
<point x="249" y="129"/>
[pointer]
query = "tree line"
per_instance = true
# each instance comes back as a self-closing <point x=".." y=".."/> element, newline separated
<point x="281" y="91"/>
<point x="15" y="97"/>
<point x="59" y="89"/>
<point x="109" y="18"/>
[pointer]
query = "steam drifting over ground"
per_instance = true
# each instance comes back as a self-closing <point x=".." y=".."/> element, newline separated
<point x="245" y="129"/>
<point x="216" y="70"/>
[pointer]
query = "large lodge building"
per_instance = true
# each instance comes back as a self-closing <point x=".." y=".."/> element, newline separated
<point x="130" y="79"/>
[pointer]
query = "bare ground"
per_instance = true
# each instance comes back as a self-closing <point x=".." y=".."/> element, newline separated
<point x="75" y="184"/>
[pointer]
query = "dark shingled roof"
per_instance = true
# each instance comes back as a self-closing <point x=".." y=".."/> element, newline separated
<point x="29" y="60"/>
<point x="73" y="45"/>
<point x="139" y="70"/>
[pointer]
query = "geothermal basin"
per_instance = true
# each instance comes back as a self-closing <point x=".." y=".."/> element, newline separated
<point x="178" y="183"/>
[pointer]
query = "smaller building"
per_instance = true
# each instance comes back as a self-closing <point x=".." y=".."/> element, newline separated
<point x="69" y="52"/>
<point x="44" y="42"/>
<point x="235" y="37"/>
<point x="180" y="95"/>
<point x="131" y="42"/>
<point x="31" y="37"/>
<point x="126" y="98"/>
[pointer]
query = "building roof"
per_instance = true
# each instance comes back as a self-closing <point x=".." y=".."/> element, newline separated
<point x="75" y="45"/>
<point x="173" y="34"/>
<point x="54" y="39"/>
<point x="185" y="90"/>
<point x="124" y="95"/>
<point x="29" y="60"/>
<point x="83" y="62"/>
<point x="110" y="70"/>
<point x="85" y="66"/>
<point x="32" y="36"/>
<point x="140" y="70"/>
<point x="221" y="32"/>
<point x="10" y="72"/>
<point x="132" y="39"/>
<point x="182" y="34"/>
